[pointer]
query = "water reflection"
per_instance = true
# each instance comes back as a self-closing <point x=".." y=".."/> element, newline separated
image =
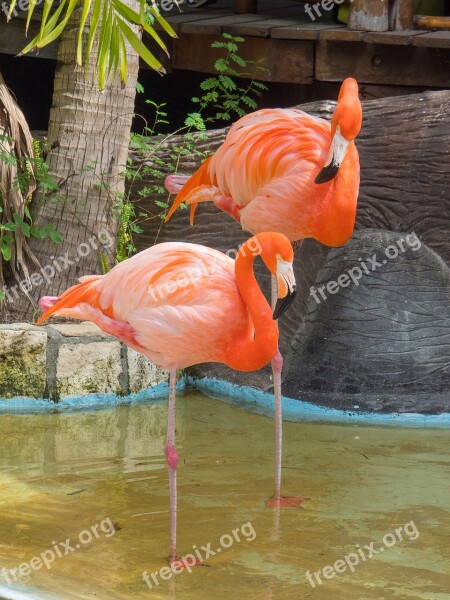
<point x="61" y="474"/>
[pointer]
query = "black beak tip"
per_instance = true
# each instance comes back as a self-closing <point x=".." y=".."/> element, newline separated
<point x="283" y="304"/>
<point x="327" y="173"/>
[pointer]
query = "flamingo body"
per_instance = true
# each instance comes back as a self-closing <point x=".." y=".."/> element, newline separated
<point x="176" y="303"/>
<point x="264" y="174"/>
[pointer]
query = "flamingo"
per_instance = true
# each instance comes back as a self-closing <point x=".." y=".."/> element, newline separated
<point x="284" y="170"/>
<point x="181" y="304"/>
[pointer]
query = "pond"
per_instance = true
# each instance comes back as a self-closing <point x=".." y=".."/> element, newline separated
<point x="85" y="494"/>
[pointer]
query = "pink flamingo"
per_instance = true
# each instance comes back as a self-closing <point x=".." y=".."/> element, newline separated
<point x="182" y="304"/>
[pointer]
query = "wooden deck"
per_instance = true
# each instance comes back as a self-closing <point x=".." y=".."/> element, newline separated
<point x="293" y="48"/>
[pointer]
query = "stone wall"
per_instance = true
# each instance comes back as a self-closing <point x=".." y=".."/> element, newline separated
<point x="67" y="360"/>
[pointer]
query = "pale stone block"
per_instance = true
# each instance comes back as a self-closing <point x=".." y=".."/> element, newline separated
<point x="143" y="373"/>
<point x="92" y="368"/>
<point x="22" y="361"/>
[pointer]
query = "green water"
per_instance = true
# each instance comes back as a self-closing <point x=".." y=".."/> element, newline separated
<point x="61" y="474"/>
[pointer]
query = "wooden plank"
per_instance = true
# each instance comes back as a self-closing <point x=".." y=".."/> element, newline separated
<point x="274" y="10"/>
<point x="178" y="20"/>
<point x="259" y="28"/>
<point x="341" y="35"/>
<point x="13" y="40"/>
<point x="303" y="31"/>
<point x="216" y="25"/>
<point x="284" y="60"/>
<point x="370" y="63"/>
<point x="437" y="39"/>
<point x="396" y="38"/>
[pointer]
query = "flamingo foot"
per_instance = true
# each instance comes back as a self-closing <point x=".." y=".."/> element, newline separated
<point x="185" y="562"/>
<point x="286" y="502"/>
<point x="227" y="204"/>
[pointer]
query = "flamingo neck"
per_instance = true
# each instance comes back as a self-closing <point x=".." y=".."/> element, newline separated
<point x="340" y="222"/>
<point x="253" y="352"/>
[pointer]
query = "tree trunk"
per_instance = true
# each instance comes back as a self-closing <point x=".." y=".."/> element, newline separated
<point x="88" y="137"/>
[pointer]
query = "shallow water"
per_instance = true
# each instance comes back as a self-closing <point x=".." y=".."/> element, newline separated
<point x="62" y="474"/>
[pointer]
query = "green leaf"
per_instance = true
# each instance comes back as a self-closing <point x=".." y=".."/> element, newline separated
<point x="45" y="14"/>
<point x="238" y="60"/>
<point x="132" y="17"/>
<point x="25" y="229"/>
<point x="95" y="19"/>
<point x="104" y="44"/>
<point x="55" y="236"/>
<point x="140" y="48"/>
<point x="259" y="85"/>
<point x="9" y="226"/>
<point x="52" y="22"/>
<point x="31" y="8"/>
<point x="227" y="82"/>
<point x="83" y="20"/>
<point x="220" y="65"/>
<point x="56" y="32"/>
<point x="6" y="251"/>
<point x="209" y="84"/>
<point x="249" y="102"/>
<point x="38" y="232"/>
<point x="164" y="24"/>
<point x="140" y="90"/>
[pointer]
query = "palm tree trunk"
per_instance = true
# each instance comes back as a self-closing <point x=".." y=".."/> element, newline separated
<point x="88" y="138"/>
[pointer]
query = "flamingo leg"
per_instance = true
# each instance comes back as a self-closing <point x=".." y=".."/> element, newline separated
<point x="172" y="463"/>
<point x="277" y="499"/>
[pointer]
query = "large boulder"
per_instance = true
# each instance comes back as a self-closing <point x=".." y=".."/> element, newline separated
<point x="377" y="331"/>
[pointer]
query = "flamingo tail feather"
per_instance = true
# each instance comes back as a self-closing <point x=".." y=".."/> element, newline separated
<point x="84" y="292"/>
<point x="199" y="179"/>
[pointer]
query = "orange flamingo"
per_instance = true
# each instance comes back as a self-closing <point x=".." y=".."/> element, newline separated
<point x="286" y="171"/>
<point x="182" y="304"/>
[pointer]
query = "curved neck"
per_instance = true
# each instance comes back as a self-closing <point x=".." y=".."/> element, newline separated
<point x="338" y="226"/>
<point x="252" y="352"/>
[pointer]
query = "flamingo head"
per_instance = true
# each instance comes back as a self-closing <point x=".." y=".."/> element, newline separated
<point x="278" y="256"/>
<point x="345" y="126"/>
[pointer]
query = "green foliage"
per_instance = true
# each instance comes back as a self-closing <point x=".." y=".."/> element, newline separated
<point x="30" y="170"/>
<point x="111" y="23"/>
<point x="222" y="97"/>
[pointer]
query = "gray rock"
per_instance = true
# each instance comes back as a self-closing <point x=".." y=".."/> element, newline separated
<point x="381" y="341"/>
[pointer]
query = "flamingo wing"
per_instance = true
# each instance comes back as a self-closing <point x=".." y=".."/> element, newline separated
<point x="177" y="303"/>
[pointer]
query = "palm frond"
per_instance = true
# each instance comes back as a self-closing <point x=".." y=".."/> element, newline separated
<point x="112" y="23"/>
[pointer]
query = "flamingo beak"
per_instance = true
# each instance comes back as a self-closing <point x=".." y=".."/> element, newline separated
<point x="286" y="287"/>
<point x="334" y="159"/>
<point x="175" y="183"/>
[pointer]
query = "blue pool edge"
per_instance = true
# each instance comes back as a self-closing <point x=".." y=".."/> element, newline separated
<point x="249" y="398"/>
<point x="261" y="402"/>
